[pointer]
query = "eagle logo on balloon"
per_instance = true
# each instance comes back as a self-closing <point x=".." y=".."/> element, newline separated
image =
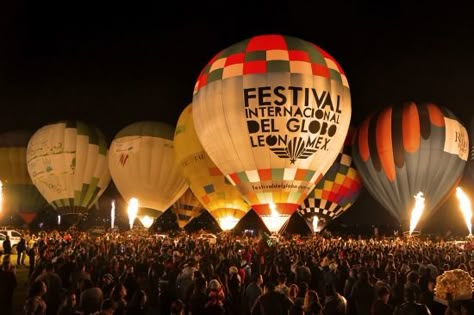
<point x="296" y="148"/>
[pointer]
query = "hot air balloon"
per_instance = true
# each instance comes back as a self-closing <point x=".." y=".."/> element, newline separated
<point x="409" y="155"/>
<point x="67" y="162"/>
<point x="335" y="192"/>
<point x="272" y="112"/>
<point x="468" y="180"/>
<point x="186" y="208"/>
<point x="223" y="201"/>
<point x="20" y="196"/>
<point x="142" y="165"/>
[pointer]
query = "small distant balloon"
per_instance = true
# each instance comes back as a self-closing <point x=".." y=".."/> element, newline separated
<point x="142" y="165"/>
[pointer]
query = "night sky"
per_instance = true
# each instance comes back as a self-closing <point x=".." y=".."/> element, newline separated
<point x="114" y="63"/>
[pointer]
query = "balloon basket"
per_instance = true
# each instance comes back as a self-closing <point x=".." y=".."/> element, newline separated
<point x="413" y="234"/>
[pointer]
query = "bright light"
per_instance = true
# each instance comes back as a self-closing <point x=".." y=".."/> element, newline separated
<point x="465" y="206"/>
<point x="417" y="211"/>
<point x="112" y="214"/>
<point x="59" y="219"/>
<point x="228" y="223"/>
<point x="1" y="196"/>
<point x="132" y="211"/>
<point x="315" y="223"/>
<point x="275" y="220"/>
<point x="146" y="221"/>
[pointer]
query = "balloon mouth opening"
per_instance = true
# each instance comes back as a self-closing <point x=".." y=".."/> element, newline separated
<point x="274" y="223"/>
<point x="228" y="223"/>
<point x="146" y="221"/>
<point x="269" y="209"/>
<point x="318" y="224"/>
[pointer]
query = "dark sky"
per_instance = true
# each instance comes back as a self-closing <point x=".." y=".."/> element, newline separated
<point x="114" y="63"/>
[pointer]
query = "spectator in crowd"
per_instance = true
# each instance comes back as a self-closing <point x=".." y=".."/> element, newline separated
<point x="119" y="294"/>
<point x="35" y="305"/>
<point x="253" y="291"/>
<point x="334" y="303"/>
<point x="411" y="306"/>
<point x="272" y="302"/>
<point x="312" y="305"/>
<point x="380" y="306"/>
<point x="138" y="305"/>
<point x="69" y="305"/>
<point x="7" y="246"/>
<point x="20" y="251"/>
<point x="8" y="284"/>
<point x="362" y="293"/>
<point x="216" y="296"/>
<point x="53" y="296"/>
<point x="198" y="299"/>
<point x="91" y="297"/>
<point x="108" y="307"/>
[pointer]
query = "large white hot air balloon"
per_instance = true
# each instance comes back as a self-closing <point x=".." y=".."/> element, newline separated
<point x="272" y="112"/>
<point x="67" y="162"/>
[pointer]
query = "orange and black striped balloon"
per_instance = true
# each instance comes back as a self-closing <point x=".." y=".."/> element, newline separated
<point x="403" y="150"/>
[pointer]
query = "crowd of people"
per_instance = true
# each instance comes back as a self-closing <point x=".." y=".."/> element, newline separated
<point x="140" y="273"/>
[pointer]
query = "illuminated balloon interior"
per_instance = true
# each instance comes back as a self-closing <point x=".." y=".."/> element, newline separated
<point x="228" y="223"/>
<point x="146" y="221"/>
<point x="315" y="223"/>
<point x="275" y="221"/>
<point x="318" y="223"/>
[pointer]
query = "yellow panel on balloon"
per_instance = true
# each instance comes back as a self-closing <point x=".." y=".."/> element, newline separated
<point x="206" y="181"/>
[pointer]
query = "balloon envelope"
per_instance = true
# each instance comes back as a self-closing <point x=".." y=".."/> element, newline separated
<point x="272" y="112"/>
<point x="67" y="162"/>
<point x="142" y="165"/>
<point x="20" y="196"/>
<point x="223" y="201"/>
<point x="335" y="192"/>
<point x="401" y="151"/>
<point x="186" y="208"/>
<point x="468" y="180"/>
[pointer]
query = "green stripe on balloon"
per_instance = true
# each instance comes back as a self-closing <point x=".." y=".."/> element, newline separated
<point x="150" y="128"/>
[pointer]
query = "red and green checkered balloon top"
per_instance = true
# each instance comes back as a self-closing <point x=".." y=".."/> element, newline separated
<point x="271" y="53"/>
